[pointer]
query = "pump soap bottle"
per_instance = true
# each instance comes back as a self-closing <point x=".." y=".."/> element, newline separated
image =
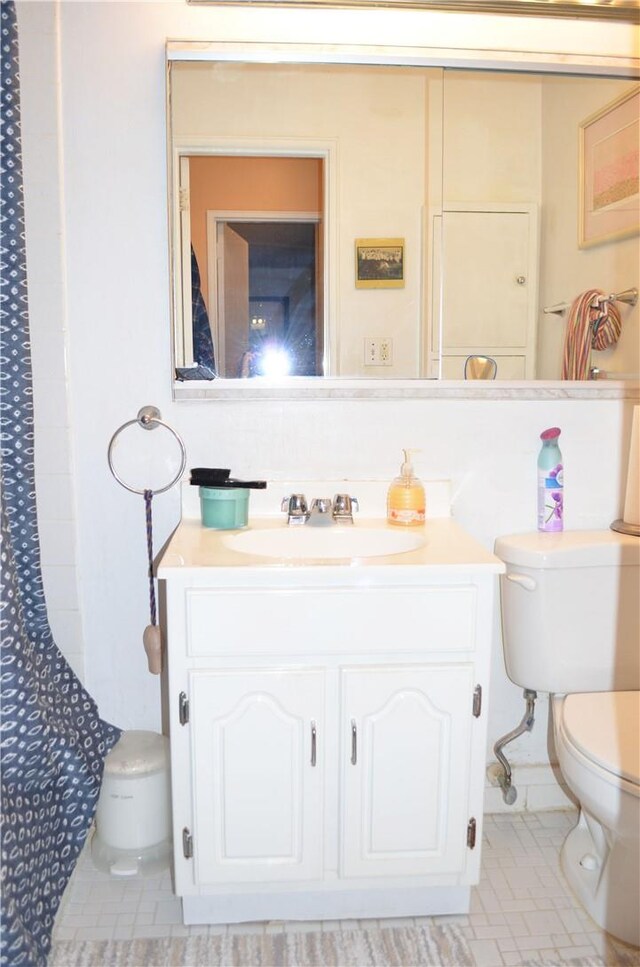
<point x="405" y="498"/>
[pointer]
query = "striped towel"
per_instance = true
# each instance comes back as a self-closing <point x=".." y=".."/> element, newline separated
<point x="587" y="328"/>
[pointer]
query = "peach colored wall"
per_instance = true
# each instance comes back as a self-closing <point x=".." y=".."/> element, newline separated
<point x="253" y="184"/>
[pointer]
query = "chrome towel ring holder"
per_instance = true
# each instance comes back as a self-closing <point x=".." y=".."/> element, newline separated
<point x="149" y="418"/>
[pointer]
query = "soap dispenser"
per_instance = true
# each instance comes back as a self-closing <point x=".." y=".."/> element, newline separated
<point x="405" y="498"/>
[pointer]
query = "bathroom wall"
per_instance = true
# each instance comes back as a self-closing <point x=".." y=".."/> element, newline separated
<point x="503" y="166"/>
<point x="44" y="212"/>
<point x="98" y="264"/>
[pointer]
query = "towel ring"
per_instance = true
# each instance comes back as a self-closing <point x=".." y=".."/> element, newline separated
<point x="148" y="418"/>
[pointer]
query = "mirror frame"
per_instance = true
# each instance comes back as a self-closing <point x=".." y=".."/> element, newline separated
<point x="323" y="387"/>
<point x="621" y="10"/>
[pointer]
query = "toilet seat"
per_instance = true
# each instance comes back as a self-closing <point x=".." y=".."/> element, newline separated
<point x="604" y="727"/>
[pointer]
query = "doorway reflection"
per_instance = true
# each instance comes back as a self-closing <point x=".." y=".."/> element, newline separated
<point x="256" y="225"/>
<point x="268" y="313"/>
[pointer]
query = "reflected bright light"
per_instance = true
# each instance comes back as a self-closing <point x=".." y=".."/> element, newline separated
<point x="275" y="362"/>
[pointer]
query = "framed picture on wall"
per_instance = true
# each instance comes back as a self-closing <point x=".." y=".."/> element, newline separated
<point x="379" y="263"/>
<point x="609" y="202"/>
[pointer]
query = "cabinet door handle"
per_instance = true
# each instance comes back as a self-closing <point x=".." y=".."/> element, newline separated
<point x="354" y="742"/>
<point x="313" y="744"/>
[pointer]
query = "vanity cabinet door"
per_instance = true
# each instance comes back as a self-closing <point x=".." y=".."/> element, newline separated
<point x="257" y="739"/>
<point x="405" y="762"/>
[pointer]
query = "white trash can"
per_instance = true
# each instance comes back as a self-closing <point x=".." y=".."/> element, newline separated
<point x="133" y="818"/>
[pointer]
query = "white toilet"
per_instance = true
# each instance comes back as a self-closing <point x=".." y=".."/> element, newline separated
<point x="571" y="627"/>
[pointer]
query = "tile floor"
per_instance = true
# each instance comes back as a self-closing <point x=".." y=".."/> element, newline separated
<point x="521" y="910"/>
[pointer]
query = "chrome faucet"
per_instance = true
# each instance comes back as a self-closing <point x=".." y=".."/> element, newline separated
<point x="323" y="510"/>
<point x="295" y="507"/>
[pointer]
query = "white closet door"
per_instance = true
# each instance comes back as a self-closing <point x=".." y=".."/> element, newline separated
<point x="490" y="285"/>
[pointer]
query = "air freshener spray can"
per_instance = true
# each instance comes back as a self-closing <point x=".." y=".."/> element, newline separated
<point x="550" y="483"/>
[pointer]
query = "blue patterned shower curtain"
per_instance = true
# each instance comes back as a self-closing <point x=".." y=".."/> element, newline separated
<point x="205" y="367"/>
<point x="52" y="741"/>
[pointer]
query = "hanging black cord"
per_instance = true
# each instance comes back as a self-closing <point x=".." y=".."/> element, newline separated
<point x="148" y="497"/>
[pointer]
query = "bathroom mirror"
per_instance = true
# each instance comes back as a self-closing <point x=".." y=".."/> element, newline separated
<point x="470" y="179"/>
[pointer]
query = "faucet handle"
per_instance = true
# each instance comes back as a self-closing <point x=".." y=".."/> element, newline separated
<point x="295" y="506"/>
<point x="344" y="506"/>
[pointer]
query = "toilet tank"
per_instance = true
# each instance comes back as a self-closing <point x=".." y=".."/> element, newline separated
<point x="570" y="610"/>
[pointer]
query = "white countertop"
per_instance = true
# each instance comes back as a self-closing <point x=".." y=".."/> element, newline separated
<point x="446" y="545"/>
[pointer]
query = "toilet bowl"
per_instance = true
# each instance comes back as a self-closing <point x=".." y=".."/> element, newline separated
<point x="571" y="627"/>
<point x="597" y="739"/>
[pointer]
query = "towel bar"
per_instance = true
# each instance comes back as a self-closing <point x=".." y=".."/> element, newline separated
<point x="630" y="296"/>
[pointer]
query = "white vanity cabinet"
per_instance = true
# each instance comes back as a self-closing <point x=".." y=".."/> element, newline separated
<point x="327" y="726"/>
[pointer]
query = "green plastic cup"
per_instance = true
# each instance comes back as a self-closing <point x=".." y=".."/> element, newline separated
<point x="224" y="509"/>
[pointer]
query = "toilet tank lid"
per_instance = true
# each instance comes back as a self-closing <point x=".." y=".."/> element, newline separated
<point x="605" y="727"/>
<point x="569" y="549"/>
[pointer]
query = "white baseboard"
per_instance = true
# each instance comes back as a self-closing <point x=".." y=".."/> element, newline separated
<point x="538" y="786"/>
<point x="326" y="904"/>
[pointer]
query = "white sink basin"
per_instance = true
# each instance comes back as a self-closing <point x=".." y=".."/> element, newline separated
<point x="323" y="542"/>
